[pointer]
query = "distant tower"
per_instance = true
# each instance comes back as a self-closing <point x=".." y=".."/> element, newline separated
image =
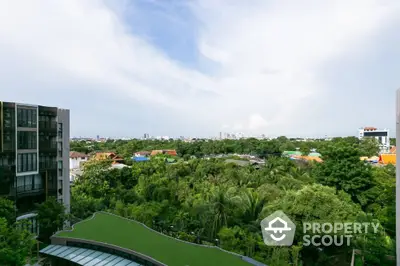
<point x="220" y="135"/>
<point x="381" y="135"/>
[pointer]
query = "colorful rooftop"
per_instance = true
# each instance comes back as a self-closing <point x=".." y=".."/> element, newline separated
<point x="387" y="159"/>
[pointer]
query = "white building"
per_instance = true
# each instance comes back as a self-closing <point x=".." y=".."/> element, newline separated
<point x="381" y="135"/>
<point x="76" y="159"/>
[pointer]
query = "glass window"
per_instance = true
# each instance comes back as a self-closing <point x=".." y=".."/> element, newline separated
<point x="29" y="118"/>
<point x="34" y="118"/>
<point x="38" y="182"/>
<point x="60" y="130"/>
<point x="24" y="162"/>
<point x="34" y="140"/>
<point x="27" y="140"/>
<point x="34" y="226"/>
<point x="34" y="161"/>
<point x="23" y="118"/>
<point x="19" y="161"/>
<point x="28" y="181"/>
<point x="20" y="182"/>
<point x="29" y="164"/>
<point x="19" y="116"/>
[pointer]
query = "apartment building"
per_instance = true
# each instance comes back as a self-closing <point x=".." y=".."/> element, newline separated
<point x="34" y="156"/>
<point x="381" y="135"/>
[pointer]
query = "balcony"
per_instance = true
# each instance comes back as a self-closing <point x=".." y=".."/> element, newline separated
<point x="47" y="165"/>
<point x="46" y="125"/>
<point x="46" y="146"/>
<point x="29" y="188"/>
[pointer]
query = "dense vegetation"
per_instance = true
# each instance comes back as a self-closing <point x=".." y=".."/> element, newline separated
<point x="210" y="201"/>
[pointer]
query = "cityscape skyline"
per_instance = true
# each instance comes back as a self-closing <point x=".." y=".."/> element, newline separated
<point x="220" y="135"/>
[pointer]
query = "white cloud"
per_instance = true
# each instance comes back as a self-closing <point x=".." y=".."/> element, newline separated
<point x="269" y="54"/>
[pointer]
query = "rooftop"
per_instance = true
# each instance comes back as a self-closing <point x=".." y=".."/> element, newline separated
<point x="115" y="230"/>
<point x="75" y="154"/>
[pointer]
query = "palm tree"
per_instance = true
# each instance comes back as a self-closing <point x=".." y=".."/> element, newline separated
<point x="222" y="201"/>
<point x="299" y="174"/>
<point x="252" y="204"/>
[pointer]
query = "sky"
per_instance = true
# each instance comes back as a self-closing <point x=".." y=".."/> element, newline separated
<point x="200" y="67"/>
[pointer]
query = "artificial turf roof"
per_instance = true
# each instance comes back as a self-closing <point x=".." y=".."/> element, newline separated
<point x="115" y="230"/>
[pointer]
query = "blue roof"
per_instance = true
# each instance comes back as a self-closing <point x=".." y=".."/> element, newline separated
<point x="140" y="159"/>
<point x="84" y="256"/>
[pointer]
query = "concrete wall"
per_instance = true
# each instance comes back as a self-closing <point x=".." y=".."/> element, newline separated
<point x="63" y="118"/>
<point x="75" y="163"/>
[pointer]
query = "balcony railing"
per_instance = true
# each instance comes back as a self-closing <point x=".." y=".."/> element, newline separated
<point x="48" y="165"/>
<point x="48" y="125"/>
<point x="46" y="145"/>
<point x="29" y="188"/>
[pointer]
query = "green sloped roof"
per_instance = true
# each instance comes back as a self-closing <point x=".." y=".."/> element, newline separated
<point x="115" y="230"/>
<point x="315" y="154"/>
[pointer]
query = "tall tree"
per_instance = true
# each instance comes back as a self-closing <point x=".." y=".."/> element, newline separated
<point x="7" y="210"/>
<point x="343" y="169"/>
<point x="51" y="218"/>
<point x="16" y="243"/>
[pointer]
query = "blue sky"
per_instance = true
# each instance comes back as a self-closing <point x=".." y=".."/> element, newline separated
<point x="199" y="67"/>
<point x="171" y="27"/>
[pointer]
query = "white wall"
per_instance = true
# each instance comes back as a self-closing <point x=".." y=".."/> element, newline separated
<point x="74" y="163"/>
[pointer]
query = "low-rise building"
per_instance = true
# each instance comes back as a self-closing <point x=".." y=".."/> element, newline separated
<point x="109" y="156"/>
<point x="167" y="152"/>
<point x="76" y="159"/>
<point x="142" y="154"/>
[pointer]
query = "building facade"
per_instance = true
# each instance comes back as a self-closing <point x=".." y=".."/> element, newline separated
<point x="76" y="159"/>
<point x="34" y="156"/>
<point x="381" y="135"/>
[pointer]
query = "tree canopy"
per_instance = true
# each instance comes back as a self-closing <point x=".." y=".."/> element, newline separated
<point x="205" y="200"/>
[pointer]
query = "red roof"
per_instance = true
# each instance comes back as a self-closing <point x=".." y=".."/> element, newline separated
<point x="171" y="152"/>
<point x="75" y="154"/>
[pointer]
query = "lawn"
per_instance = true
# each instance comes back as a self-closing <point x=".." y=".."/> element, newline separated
<point x="115" y="230"/>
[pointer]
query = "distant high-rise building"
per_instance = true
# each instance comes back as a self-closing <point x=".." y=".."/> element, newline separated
<point x="381" y="135"/>
<point x="34" y="156"/>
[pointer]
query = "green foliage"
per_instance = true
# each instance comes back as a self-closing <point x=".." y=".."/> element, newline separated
<point x="7" y="210"/>
<point x="201" y="200"/>
<point x="51" y="218"/>
<point x="343" y="169"/>
<point x="15" y="243"/>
